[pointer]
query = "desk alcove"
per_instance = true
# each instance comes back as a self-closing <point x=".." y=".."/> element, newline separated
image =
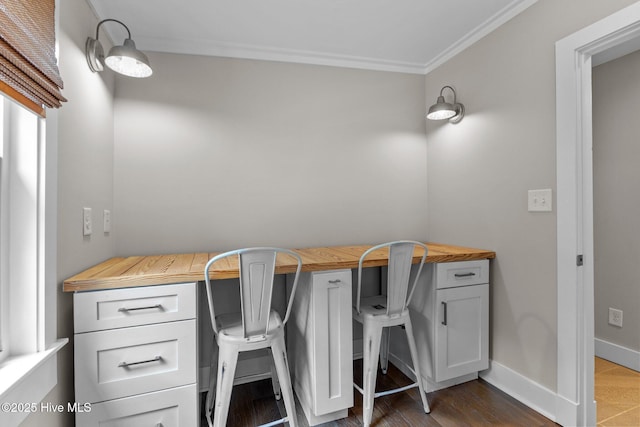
<point x="143" y="340"/>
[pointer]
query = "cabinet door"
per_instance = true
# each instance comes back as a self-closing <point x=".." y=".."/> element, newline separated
<point x="462" y="331"/>
<point x="332" y="341"/>
<point x="176" y="407"/>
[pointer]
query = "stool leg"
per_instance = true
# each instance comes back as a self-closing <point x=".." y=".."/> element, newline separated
<point x="371" y="351"/>
<point x="211" y="394"/>
<point x="416" y="364"/>
<point x="275" y="382"/>
<point x="282" y="368"/>
<point x="228" y="359"/>
<point x="384" y="350"/>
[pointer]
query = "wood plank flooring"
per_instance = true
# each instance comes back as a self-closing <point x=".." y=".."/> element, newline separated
<point x="475" y="403"/>
<point x="617" y="393"/>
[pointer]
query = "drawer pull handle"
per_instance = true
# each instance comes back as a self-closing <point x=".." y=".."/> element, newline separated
<point x="127" y="364"/>
<point x="334" y="283"/>
<point x="150" y="307"/>
<point x="444" y="313"/>
<point x="464" y="274"/>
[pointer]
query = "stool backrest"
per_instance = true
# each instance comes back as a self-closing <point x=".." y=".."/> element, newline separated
<point x="399" y="290"/>
<point x="256" y="270"/>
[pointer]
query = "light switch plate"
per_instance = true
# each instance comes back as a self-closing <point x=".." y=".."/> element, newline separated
<point x="87" y="226"/>
<point x="540" y="200"/>
<point x="107" y="221"/>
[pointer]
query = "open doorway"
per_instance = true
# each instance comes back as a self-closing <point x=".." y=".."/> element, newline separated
<point x="616" y="209"/>
<point x="607" y="39"/>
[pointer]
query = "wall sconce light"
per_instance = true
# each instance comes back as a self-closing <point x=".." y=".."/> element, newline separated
<point x="124" y="59"/>
<point x="443" y="110"/>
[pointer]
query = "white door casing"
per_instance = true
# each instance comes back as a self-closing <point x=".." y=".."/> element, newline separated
<point x="607" y="39"/>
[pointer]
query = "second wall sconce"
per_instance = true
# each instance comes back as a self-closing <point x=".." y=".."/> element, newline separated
<point x="443" y="110"/>
<point x="124" y="59"/>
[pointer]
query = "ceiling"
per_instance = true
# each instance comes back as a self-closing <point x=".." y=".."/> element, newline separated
<point x="411" y="36"/>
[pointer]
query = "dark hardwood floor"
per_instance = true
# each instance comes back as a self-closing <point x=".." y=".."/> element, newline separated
<point x="475" y="403"/>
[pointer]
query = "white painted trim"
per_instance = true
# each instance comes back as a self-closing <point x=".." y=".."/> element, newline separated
<point x="427" y="383"/>
<point x="507" y="13"/>
<point x="532" y="394"/>
<point x="242" y="51"/>
<point x="521" y="388"/>
<point x="271" y="53"/>
<point x="575" y="401"/>
<point x="28" y="379"/>
<point x="618" y="354"/>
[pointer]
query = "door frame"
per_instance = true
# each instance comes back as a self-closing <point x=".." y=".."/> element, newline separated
<point x="575" y="404"/>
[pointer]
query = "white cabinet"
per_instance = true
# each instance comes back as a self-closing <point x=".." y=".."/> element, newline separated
<point x="165" y="408"/>
<point x="320" y="347"/>
<point x="462" y="331"/>
<point x="450" y="317"/>
<point x="136" y="356"/>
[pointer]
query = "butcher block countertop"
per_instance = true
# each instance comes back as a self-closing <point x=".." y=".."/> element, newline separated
<point x="124" y="272"/>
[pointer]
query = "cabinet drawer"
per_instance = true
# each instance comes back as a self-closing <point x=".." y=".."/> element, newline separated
<point x="452" y="274"/>
<point x="177" y="407"/>
<point x="123" y="362"/>
<point x="118" y="308"/>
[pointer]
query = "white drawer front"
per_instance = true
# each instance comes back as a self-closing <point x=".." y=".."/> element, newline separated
<point x="463" y="273"/>
<point x="123" y="362"/>
<point x="118" y="308"/>
<point x="177" y="407"/>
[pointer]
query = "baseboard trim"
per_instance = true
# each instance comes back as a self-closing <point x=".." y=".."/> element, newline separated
<point x="617" y="354"/>
<point x="521" y="388"/>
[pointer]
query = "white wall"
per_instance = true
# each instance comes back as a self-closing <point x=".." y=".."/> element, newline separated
<point x="616" y="100"/>
<point x="215" y="154"/>
<point x="85" y="179"/>
<point x="479" y="172"/>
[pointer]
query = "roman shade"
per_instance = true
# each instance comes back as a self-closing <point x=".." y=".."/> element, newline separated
<point x="28" y="67"/>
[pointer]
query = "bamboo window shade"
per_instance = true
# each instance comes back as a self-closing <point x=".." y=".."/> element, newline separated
<point x="28" y="66"/>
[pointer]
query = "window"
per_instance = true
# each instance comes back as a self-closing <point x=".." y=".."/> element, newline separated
<point x="27" y="259"/>
<point x="19" y="200"/>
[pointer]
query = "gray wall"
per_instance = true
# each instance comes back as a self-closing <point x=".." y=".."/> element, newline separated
<point x="479" y="172"/>
<point x="215" y="154"/>
<point x="85" y="179"/>
<point x="189" y="140"/>
<point x="616" y="175"/>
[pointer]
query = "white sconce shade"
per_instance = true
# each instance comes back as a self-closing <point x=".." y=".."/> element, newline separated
<point x="124" y="59"/>
<point x="443" y="110"/>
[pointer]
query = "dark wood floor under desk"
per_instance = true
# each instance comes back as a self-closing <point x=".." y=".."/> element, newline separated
<point x="475" y="403"/>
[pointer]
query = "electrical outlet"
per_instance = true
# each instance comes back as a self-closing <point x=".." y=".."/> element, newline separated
<point x="107" y="221"/>
<point x="615" y="317"/>
<point x="87" y="226"/>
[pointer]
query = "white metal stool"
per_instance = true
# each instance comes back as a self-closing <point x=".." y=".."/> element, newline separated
<point x="256" y="327"/>
<point x="380" y="312"/>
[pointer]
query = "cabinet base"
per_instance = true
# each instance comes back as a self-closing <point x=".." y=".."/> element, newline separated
<point x="314" y="420"/>
<point x="428" y="383"/>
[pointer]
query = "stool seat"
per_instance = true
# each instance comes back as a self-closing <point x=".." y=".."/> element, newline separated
<point x="230" y="328"/>
<point x="375" y="306"/>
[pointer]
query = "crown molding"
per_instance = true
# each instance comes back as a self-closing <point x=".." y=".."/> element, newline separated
<point x="511" y="10"/>
<point x="270" y="53"/>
